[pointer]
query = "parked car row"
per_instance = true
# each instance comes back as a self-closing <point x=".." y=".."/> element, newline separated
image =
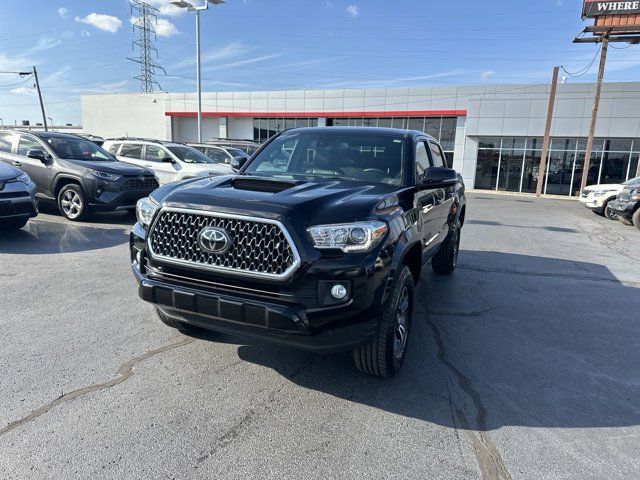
<point x="81" y="173"/>
<point x="615" y="201"/>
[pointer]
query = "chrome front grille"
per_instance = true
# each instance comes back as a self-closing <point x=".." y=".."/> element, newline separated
<point x="259" y="247"/>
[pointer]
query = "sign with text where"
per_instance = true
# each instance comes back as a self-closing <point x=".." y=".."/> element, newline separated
<point x="597" y="8"/>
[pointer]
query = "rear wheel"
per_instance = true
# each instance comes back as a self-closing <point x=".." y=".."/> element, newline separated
<point x="10" y="224"/>
<point x="72" y="202"/>
<point x="445" y="260"/>
<point x="384" y="355"/>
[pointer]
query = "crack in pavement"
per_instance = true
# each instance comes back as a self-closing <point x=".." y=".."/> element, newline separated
<point x="490" y="462"/>
<point x="124" y="372"/>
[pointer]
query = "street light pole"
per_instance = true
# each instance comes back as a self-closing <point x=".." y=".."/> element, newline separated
<point x="192" y="8"/>
<point x="198" y="74"/>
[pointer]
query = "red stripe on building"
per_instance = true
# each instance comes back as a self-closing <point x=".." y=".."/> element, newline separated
<point x="397" y="113"/>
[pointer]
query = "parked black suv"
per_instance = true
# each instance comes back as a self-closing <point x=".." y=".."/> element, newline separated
<point x="316" y="243"/>
<point x="627" y="204"/>
<point x="75" y="172"/>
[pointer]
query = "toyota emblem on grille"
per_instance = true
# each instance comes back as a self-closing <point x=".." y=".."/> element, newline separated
<point x="214" y="240"/>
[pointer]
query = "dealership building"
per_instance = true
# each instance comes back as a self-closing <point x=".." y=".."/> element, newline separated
<point x="491" y="133"/>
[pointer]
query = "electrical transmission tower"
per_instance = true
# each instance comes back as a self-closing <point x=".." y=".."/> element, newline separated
<point x="144" y="18"/>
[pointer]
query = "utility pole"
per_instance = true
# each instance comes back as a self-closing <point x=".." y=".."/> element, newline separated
<point x="547" y="132"/>
<point x="594" y="113"/>
<point x="35" y="75"/>
<point x="144" y="20"/>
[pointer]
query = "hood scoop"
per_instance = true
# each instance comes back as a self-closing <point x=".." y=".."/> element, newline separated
<point x="262" y="184"/>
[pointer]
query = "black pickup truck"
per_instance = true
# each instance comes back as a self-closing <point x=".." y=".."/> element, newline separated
<point x="316" y="243"/>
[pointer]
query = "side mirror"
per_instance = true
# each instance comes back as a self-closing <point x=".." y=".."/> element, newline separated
<point x="38" y="155"/>
<point x="237" y="163"/>
<point x="438" y="177"/>
<point x="167" y="160"/>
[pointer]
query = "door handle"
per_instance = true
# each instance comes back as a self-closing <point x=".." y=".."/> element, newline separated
<point x="427" y="208"/>
<point x="16" y="163"/>
<point x="148" y="165"/>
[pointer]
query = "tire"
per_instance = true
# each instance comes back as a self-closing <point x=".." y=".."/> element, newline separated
<point x="384" y="355"/>
<point x="72" y="202"/>
<point x="10" y="224"/>
<point x="608" y="213"/>
<point x="445" y="260"/>
<point x="170" y="322"/>
<point x="636" y="219"/>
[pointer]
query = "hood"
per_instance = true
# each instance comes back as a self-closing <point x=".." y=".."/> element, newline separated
<point x="8" y="172"/>
<point x="310" y="202"/>
<point x="605" y="187"/>
<point x="119" y="168"/>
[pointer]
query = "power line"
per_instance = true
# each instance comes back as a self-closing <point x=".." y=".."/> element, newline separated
<point x="144" y="24"/>
<point x="583" y="71"/>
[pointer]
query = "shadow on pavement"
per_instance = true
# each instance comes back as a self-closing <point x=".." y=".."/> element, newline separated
<point x="507" y="340"/>
<point x="40" y="237"/>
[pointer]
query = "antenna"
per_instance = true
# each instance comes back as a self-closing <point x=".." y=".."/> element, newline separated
<point x="144" y="18"/>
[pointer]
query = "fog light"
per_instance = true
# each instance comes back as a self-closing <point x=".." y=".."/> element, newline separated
<point x="338" y="291"/>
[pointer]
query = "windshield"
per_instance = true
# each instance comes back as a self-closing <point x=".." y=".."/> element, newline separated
<point x="78" y="149"/>
<point x="190" y="154"/>
<point x="631" y="181"/>
<point x="236" y="152"/>
<point x="363" y="157"/>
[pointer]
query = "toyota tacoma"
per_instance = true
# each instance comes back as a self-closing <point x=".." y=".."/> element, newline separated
<point x="316" y="242"/>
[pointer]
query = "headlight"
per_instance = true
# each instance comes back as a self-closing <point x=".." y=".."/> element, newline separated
<point x="145" y="210"/>
<point x="106" y="176"/>
<point x="351" y="237"/>
<point x="24" y="178"/>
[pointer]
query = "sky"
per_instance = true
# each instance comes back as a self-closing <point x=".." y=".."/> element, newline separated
<point x="81" y="46"/>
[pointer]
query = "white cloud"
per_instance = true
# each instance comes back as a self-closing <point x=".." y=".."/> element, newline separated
<point x="230" y="50"/>
<point x="486" y="74"/>
<point x="107" y="23"/>
<point x="163" y="27"/>
<point x="165" y="7"/>
<point x="23" y="91"/>
<point x="353" y="10"/>
<point x="247" y="61"/>
<point x="63" y="12"/>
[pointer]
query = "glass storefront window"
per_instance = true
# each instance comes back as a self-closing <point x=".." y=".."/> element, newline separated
<point x="489" y="143"/>
<point x="448" y="133"/>
<point x="384" y="122"/>
<point x="511" y="143"/>
<point x="416" y="124"/>
<point x="530" y="170"/>
<point x="614" y="166"/>
<point x="487" y="169"/>
<point x="510" y="170"/>
<point x="559" y="170"/>
<point x="432" y="127"/>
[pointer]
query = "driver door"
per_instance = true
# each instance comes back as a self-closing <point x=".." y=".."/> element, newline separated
<point x="427" y="202"/>
<point x="39" y="172"/>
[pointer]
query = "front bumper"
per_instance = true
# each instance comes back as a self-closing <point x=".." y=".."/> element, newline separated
<point x="109" y="196"/>
<point x="18" y="200"/>
<point x="293" y="313"/>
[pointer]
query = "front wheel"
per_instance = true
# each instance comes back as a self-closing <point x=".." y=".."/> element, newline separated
<point x="384" y="355"/>
<point x="445" y="260"/>
<point x="608" y="213"/>
<point x="72" y="202"/>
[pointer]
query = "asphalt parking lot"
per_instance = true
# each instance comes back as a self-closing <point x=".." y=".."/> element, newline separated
<point x="523" y="364"/>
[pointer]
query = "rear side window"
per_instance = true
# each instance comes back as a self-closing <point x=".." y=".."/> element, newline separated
<point x="131" y="151"/>
<point x="27" y="143"/>
<point x="113" y="149"/>
<point x="436" y="154"/>
<point x="6" y="141"/>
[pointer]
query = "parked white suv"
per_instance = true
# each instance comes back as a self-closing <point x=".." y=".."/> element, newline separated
<point x="169" y="161"/>
<point x="597" y="197"/>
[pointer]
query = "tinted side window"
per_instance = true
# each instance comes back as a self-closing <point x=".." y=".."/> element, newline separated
<point x="131" y="151"/>
<point x="113" y="149"/>
<point x="422" y="160"/>
<point x="217" y="156"/>
<point x="6" y="140"/>
<point x="436" y="154"/>
<point x="155" y="154"/>
<point x="28" y="143"/>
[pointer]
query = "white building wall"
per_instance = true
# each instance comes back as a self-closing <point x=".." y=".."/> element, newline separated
<point x="240" y="128"/>
<point x="129" y="114"/>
